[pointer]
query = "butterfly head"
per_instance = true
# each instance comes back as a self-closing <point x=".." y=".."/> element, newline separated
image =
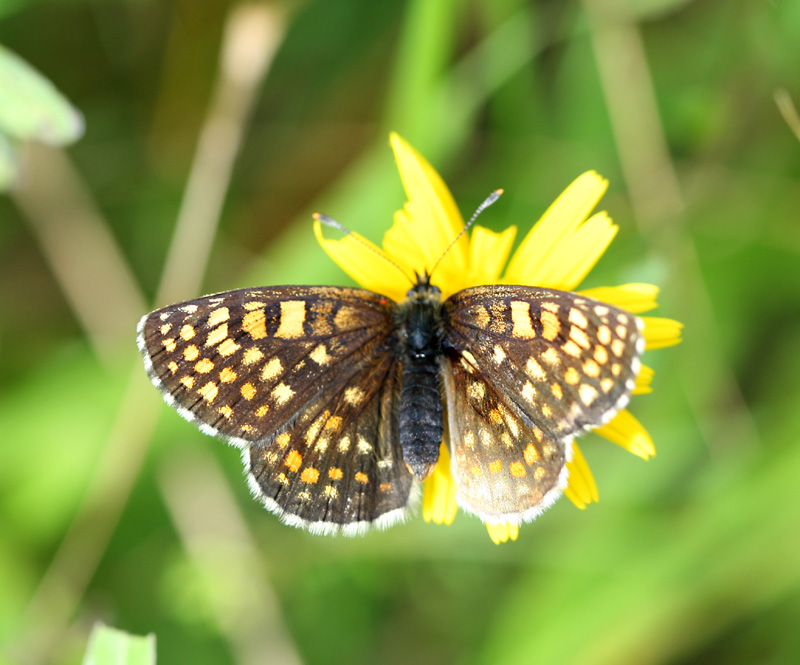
<point x="423" y="289"/>
<point x="419" y="318"/>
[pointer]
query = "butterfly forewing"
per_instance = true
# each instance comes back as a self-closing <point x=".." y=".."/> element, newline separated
<point x="303" y="376"/>
<point x="548" y="362"/>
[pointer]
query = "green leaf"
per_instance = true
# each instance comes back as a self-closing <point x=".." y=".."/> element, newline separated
<point x="31" y="107"/>
<point x="109" y="646"/>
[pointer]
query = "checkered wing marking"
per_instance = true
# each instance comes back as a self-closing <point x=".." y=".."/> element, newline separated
<point x="526" y="370"/>
<point x="506" y="469"/>
<point x="303" y="379"/>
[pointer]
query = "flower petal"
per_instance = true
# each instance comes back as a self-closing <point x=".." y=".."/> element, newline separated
<point x="560" y="220"/>
<point x="488" y="253"/>
<point x="501" y="533"/>
<point x="643" y="381"/>
<point x="626" y="431"/>
<point x="634" y="298"/>
<point x="364" y="262"/>
<point x="429" y="222"/>
<point x="576" y="254"/>
<point x="581" y="489"/>
<point x="659" y="332"/>
<point x="439" y="492"/>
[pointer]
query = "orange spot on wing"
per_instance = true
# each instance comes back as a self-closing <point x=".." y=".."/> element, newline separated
<point x="255" y="324"/>
<point x="294" y="460"/>
<point x="310" y="475"/>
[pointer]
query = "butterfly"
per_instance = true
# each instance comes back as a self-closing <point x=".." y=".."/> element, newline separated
<point x="339" y="398"/>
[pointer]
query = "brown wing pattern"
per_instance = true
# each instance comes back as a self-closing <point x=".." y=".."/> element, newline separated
<point x="301" y="377"/>
<point x="506" y="469"/>
<point x="527" y="369"/>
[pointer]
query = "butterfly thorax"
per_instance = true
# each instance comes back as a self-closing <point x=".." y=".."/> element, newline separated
<point x="420" y="328"/>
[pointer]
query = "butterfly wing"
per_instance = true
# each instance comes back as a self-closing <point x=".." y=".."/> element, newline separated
<point x="526" y="369"/>
<point x="506" y="469"/>
<point x="303" y="380"/>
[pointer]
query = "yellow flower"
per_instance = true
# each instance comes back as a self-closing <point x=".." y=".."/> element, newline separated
<point x="558" y="253"/>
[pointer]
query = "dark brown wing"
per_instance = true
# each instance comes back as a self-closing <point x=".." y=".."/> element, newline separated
<point x="303" y="378"/>
<point x="506" y="469"/>
<point x="526" y="370"/>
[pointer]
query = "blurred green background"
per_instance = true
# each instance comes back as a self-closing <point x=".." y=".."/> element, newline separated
<point x="212" y="131"/>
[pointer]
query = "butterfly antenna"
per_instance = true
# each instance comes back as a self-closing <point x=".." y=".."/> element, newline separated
<point x="486" y="203"/>
<point x="328" y="221"/>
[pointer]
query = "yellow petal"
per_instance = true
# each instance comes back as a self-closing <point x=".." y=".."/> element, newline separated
<point x="501" y="533"/>
<point x="439" y="492"/>
<point x="429" y="222"/>
<point x="634" y="298"/>
<point x="643" y="381"/>
<point x="488" y="253"/>
<point x="365" y="263"/>
<point x="576" y="253"/>
<point x="581" y="488"/>
<point x="562" y="218"/>
<point x="659" y="332"/>
<point x="626" y="431"/>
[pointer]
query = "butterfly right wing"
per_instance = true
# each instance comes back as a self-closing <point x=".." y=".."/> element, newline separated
<point x="303" y="379"/>
<point x="526" y="370"/>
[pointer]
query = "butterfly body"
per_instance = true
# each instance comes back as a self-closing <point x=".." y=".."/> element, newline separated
<point x="340" y="397"/>
<point x="420" y="407"/>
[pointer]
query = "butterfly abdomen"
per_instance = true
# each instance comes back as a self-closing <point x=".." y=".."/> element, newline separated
<point x="420" y="415"/>
<point x="420" y="409"/>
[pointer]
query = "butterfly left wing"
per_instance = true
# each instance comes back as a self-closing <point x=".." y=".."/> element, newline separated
<point x="337" y="467"/>
<point x="526" y="369"/>
<point x="303" y="380"/>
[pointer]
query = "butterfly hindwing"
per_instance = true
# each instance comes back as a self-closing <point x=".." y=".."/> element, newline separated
<point x="506" y="469"/>
<point x="299" y="375"/>
<point x="338" y="464"/>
